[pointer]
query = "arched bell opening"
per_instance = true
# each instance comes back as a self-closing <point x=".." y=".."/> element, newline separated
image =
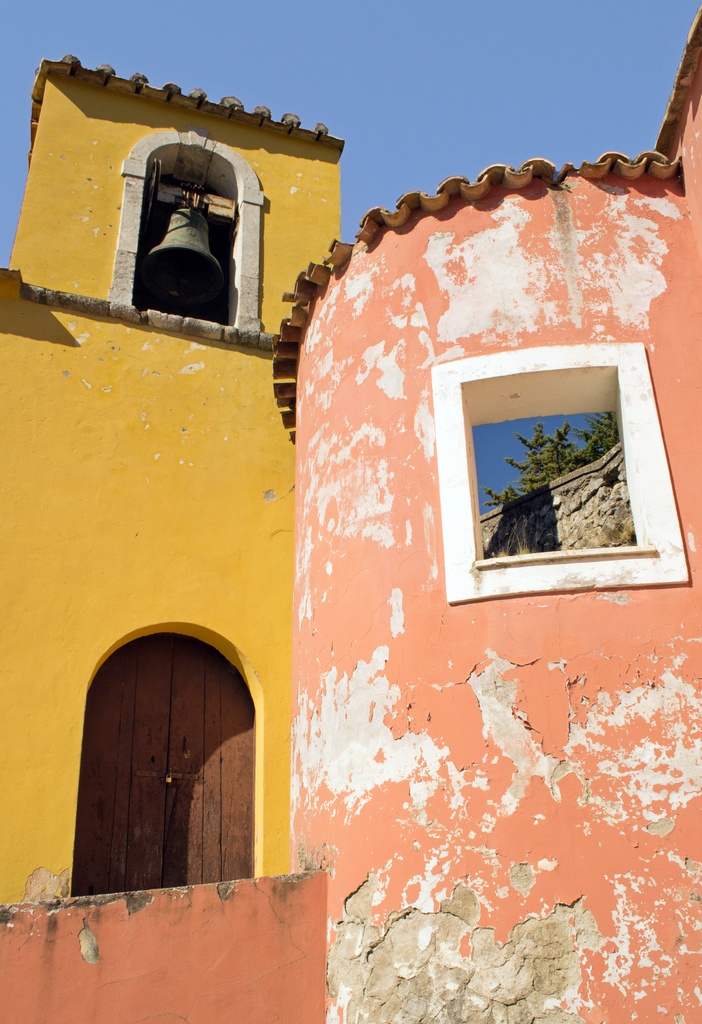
<point x="167" y="770"/>
<point x="184" y="259"/>
<point x="154" y="173"/>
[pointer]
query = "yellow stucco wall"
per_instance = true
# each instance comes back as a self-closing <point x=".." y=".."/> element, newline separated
<point x="74" y="190"/>
<point x="147" y="481"/>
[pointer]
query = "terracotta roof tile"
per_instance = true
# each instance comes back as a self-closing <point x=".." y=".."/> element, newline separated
<point x="683" y="80"/>
<point x="228" y="107"/>
<point x="650" y="162"/>
<point x="316" y="276"/>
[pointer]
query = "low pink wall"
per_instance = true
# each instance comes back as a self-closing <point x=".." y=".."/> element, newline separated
<point x="203" y="954"/>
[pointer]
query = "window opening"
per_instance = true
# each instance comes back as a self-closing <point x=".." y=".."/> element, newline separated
<point x="536" y="383"/>
<point x="552" y="483"/>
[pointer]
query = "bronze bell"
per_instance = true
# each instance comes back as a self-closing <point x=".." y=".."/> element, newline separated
<point x="181" y="267"/>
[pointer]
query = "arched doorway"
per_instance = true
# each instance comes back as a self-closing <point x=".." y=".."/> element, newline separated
<point x="166" y="778"/>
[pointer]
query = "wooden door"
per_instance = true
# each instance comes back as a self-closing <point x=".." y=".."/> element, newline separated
<point x="166" y="778"/>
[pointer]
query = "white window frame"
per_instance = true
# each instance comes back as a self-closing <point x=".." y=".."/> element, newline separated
<point x="229" y="175"/>
<point x="544" y="381"/>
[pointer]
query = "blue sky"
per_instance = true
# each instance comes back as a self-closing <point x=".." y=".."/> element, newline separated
<point x="419" y="92"/>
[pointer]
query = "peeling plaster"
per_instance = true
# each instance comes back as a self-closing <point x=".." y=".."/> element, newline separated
<point x="565" y="239"/>
<point x="342" y="475"/>
<point x="493" y="287"/>
<point x="391" y="379"/>
<point x="397" y="616"/>
<point x="522" y="878"/>
<point x="344" y="743"/>
<point x="660" y="772"/>
<point x="43" y="885"/>
<point x="442" y="967"/>
<point x="497" y="699"/>
<point x="88" y="944"/>
<point x="424" y="427"/>
<point x="628" y="270"/>
<point x="358" y="287"/>
<point x="559" y="770"/>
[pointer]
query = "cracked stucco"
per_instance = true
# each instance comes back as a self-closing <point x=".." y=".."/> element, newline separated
<point x="443" y="967"/>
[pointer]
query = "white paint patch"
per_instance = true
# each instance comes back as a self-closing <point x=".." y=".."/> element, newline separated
<point x="392" y="378"/>
<point x="430" y="539"/>
<point x="628" y="269"/>
<point x="397" y="616"/>
<point x="497" y="700"/>
<point x="352" y="474"/>
<point x="425" y="339"/>
<point x="618" y="597"/>
<point x="665" y="207"/>
<point x="358" y="288"/>
<point x="424" y="937"/>
<point x="419" y="317"/>
<point x="87" y="383"/>
<point x="342" y="742"/>
<point x="192" y="368"/>
<point x="195" y="346"/>
<point x="406" y="283"/>
<point x="304" y="566"/>
<point x="661" y="773"/>
<point x="492" y="286"/>
<point x="691" y="541"/>
<point x="424" y="427"/>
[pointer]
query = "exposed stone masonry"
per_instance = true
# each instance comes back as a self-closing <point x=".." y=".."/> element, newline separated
<point x="441" y="967"/>
<point x="588" y="508"/>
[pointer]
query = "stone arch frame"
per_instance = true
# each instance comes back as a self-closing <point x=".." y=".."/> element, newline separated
<point x="227" y="173"/>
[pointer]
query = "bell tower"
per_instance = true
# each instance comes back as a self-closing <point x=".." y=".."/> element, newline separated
<point x="149" y="488"/>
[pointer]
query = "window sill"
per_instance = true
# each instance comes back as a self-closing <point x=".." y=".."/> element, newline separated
<point x="575" y="555"/>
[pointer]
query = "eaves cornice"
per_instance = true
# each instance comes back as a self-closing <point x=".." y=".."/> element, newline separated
<point x="311" y="281"/>
<point x="229" y="107"/>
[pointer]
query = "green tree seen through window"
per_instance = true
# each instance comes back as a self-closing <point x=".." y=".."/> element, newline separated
<point x="548" y="456"/>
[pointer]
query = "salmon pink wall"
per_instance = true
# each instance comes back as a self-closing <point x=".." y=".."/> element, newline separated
<point x="206" y="954"/>
<point x="687" y="144"/>
<point x="508" y="791"/>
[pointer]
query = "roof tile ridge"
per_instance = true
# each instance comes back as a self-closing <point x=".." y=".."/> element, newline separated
<point x="649" y="161"/>
<point x="228" y="107"/>
<point x="681" y="86"/>
<point x="286" y="347"/>
<point x="311" y="282"/>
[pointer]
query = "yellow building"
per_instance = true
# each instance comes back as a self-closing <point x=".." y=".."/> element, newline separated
<point x="147" y="484"/>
